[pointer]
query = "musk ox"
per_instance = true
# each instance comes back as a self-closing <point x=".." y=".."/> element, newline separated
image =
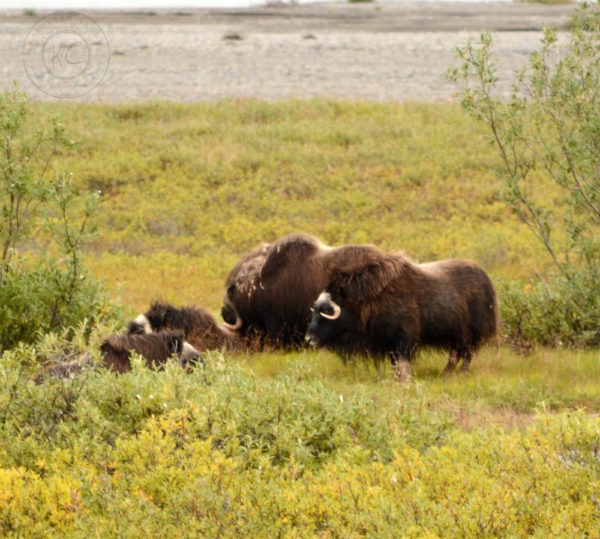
<point x="155" y="348"/>
<point x="116" y="350"/>
<point x="199" y="327"/>
<point x="65" y="369"/>
<point x="386" y="305"/>
<point x="270" y="292"/>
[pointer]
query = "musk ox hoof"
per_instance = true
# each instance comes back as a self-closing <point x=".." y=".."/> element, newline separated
<point x="465" y="370"/>
<point x="402" y="371"/>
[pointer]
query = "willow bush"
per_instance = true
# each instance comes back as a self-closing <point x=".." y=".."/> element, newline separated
<point x="548" y="137"/>
<point x="43" y="225"/>
<point x="220" y="452"/>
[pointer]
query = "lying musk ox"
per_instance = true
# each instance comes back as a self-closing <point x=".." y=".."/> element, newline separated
<point x="155" y="348"/>
<point x="198" y="326"/>
<point x="116" y="350"/>
<point x="386" y="305"/>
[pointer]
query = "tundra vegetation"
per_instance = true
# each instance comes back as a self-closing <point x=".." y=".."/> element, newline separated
<point x="296" y="444"/>
<point x="551" y="124"/>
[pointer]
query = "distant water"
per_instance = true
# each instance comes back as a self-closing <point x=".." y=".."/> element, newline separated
<point x="157" y="4"/>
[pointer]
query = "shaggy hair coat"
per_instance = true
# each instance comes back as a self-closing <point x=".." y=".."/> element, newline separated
<point x="116" y="351"/>
<point x="155" y="348"/>
<point x="198" y="326"/>
<point x="271" y="291"/>
<point x="391" y="306"/>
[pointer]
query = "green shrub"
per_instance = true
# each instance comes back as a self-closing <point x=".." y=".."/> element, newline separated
<point x="219" y="451"/>
<point x="39" y="292"/>
<point x="547" y="137"/>
<point x="567" y="313"/>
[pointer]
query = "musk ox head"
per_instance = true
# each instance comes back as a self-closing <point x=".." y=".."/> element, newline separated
<point x="190" y="357"/>
<point x="330" y="321"/>
<point x="157" y="318"/>
<point x="242" y="283"/>
<point x="351" y="306"/>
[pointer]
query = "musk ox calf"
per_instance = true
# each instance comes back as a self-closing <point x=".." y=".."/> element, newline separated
<point x="198" y="326"/>
<point x="116" y="351"/>
<point x="155" y="348"/>
<point x="386" y="305"/>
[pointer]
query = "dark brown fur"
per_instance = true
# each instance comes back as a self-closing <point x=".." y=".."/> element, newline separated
<point x="155" y="348"/>
<point x="272" y="290"/>
<point x="391" y="306"/>
<point x="198" y="326"/>
<point x="116" y="350"/>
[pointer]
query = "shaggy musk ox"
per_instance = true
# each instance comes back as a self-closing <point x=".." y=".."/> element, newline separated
<point x="155" y="348"/>
<point x="116" y="350"/>
<point x="386" y="305"/>
<point x="198" y="326"/>
<point x="270" y="292"/>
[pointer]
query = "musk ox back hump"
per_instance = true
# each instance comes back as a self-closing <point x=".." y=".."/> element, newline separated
<point x="271" y="291"/>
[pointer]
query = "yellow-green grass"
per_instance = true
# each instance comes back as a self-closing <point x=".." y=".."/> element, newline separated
<point x="501" y="387"/>
<point x="294" y="444"/>
<point x="188" y="188"/>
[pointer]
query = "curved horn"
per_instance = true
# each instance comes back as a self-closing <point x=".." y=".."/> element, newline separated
<point x="234" y="327"/>
<point x="337" y="310"/>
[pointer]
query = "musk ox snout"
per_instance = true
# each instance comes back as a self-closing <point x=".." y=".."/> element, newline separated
<point x="190" y="357"/>
<point x="324" y="321"/>
<point x="310" y="338"/>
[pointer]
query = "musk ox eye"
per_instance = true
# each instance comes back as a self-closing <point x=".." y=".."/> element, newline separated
<point x="230" y="290"/>
<point x="326" y="309"/>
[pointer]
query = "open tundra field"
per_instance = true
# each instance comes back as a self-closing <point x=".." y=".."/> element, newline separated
<point x="186" y="189"/>
<point x="293" y="444"/>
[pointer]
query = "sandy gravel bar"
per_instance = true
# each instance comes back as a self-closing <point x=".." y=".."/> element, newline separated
<point x="393" y="51"/>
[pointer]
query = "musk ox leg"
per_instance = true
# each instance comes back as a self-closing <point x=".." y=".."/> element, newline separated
<point x="402" y="366"/>
<point x="466" y="361"/>
<point x="452" y="361"/>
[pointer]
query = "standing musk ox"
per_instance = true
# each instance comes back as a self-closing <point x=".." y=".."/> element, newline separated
<point x="198" y="326"/>
<point x="155" y="348"/>
<point x="386" y="305"/>
<point x="270" y="292"/>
